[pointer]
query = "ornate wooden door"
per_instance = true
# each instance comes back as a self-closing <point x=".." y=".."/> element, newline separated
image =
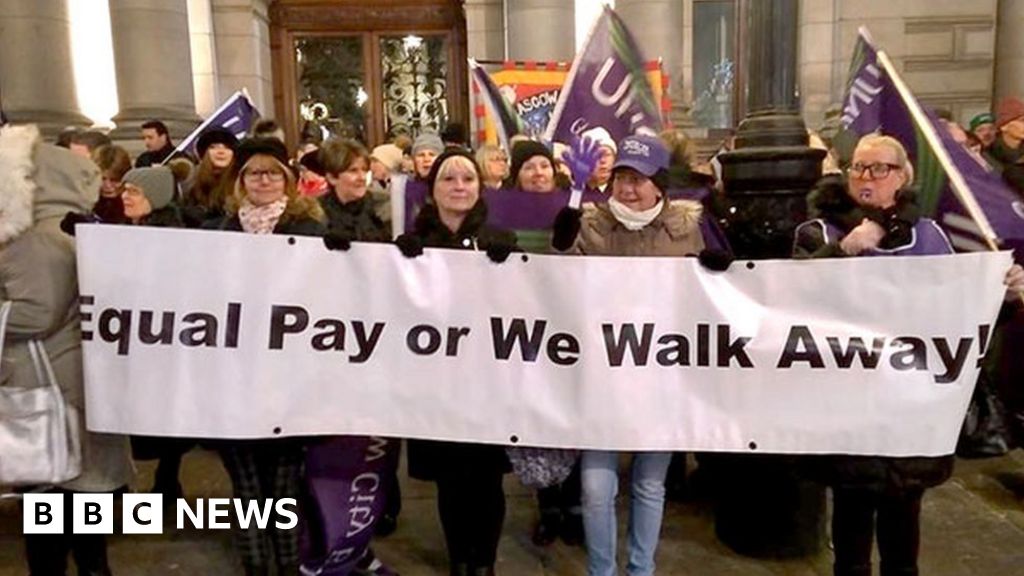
<point x="369" y="71"/>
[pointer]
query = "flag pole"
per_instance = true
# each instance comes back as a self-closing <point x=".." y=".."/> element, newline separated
<point x="960" y="187"/>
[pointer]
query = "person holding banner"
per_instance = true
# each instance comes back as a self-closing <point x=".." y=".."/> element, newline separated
<point x="873" y="213"/>
<point x="470" y="496"/>
<point x="638" y="220"/>
<point x="266" y="200"/>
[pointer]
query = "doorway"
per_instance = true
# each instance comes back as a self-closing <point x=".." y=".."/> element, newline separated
<point x="345" y="69"/>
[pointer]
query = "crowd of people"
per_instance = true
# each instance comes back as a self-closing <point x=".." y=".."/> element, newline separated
<point x="642" y="196"/>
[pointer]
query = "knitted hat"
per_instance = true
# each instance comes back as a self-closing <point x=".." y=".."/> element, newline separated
<point x="1009" y="109"/>
<point x="602" y="137"/>
<point x="260" y="146"/>
<point x="436" y="167"/>
<point x="390" y="155"/>
<point x="983" y="118"/>
<point x="428" y="141"/>
<point x="523" y="151"/>
<point x="213" y="136"/>
<point x="156" y="183"/>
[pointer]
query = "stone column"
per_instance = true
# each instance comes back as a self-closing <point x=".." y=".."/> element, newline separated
<point x="541" y="30"/>
<point x="204" y="57"/>
<point x="153" y="60"/>
<point x="1009" y="74"/>
<point x="242" y="30"/>
<point x="37" y="80"/>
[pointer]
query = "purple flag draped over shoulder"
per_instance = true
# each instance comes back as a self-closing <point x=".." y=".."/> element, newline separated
<point x="874" y="103"/>
<point x="607" y="86"/>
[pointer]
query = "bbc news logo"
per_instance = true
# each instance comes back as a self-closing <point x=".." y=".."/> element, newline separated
<point x="144" y="514"/>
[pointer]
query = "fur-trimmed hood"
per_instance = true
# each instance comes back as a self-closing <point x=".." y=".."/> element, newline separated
<point x="39" y="181"/>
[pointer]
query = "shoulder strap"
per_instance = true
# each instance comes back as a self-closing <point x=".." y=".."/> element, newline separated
<point x="5" y="312"/>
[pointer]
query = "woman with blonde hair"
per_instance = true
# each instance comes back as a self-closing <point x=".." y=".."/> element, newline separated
<point x="493" y="163"/>
<point x="873" y="213"/>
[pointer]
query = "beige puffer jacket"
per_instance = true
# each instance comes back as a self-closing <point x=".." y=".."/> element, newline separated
<point x="674" y="232"/>
<point x="41" y="183"/>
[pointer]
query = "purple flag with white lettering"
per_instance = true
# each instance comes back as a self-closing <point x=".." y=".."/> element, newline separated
<point x="607" y="86"/>
<point x="347" y="479"/>
<point x="874" y="103"/>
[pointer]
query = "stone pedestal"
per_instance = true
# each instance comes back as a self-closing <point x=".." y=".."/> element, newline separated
<point x="37" y="80"/>
<point x="154" y="65"/>
<point x="541" y="30"/>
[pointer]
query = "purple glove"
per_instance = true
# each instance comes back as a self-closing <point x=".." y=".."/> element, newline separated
<point x="581" y="159"/>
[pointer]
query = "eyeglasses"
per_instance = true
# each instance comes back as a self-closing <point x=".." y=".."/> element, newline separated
<point x="878" y="170"/>
<point x="257" y="175"/>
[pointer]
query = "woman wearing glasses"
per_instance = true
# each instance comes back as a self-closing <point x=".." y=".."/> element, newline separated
<point x="874" y="213"/>
<point x="266" y="201"/>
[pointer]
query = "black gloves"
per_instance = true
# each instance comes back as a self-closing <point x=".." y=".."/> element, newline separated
<point x="337" y="240"/>
<point x="67" y="225"/>
<point x="498" y="252"/>
<point x="717" y="260"/>
<point x="566" y="227"/>
<point x="411" y="246"/>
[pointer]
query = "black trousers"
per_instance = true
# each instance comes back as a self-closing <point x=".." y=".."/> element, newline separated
<point x="471" y="504"/>
<point x="47" y="554"/>
<point x="855" y="516"/>
<point x="562" y="499"/>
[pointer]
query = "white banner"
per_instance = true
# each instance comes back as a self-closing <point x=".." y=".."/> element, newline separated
<point x="214" y="334"/>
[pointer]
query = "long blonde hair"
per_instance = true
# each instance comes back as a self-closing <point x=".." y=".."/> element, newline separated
<point x="298" y="206"/>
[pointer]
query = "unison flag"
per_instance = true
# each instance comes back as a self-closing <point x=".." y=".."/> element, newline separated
<point x="506" y="120"/>
<point x="956" y="188"/>
<point x="607" y="86"/>
<point x="236" y="114"/>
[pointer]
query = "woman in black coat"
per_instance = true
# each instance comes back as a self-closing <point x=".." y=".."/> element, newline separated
<point x="470" y="497"/>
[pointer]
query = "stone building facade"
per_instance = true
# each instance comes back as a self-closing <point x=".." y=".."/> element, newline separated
<point x="176" y="59"/>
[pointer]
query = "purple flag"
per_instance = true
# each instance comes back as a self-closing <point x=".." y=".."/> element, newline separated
<point x="236" y="114"/>
<point x="607" y="86"/>
<point x="874" y="102"/>
<point x="347" y="478"/>
<point x="506" y="120"/>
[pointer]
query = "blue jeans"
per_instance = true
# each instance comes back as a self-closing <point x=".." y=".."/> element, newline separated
<point x="647" y="502"/>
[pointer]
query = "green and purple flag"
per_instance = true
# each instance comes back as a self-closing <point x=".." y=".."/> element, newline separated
<point x="607" y="86"/>
<point x="507" y="122"/>
<point x="955" y="187"/>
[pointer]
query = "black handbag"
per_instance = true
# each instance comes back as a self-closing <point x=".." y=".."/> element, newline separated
<point x="984" y="433"/>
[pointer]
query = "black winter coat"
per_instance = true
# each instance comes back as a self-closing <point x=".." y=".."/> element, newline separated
<point x="830" y="202"/>
<point x="429" y="459"/>
<point x="356" y="220"/>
